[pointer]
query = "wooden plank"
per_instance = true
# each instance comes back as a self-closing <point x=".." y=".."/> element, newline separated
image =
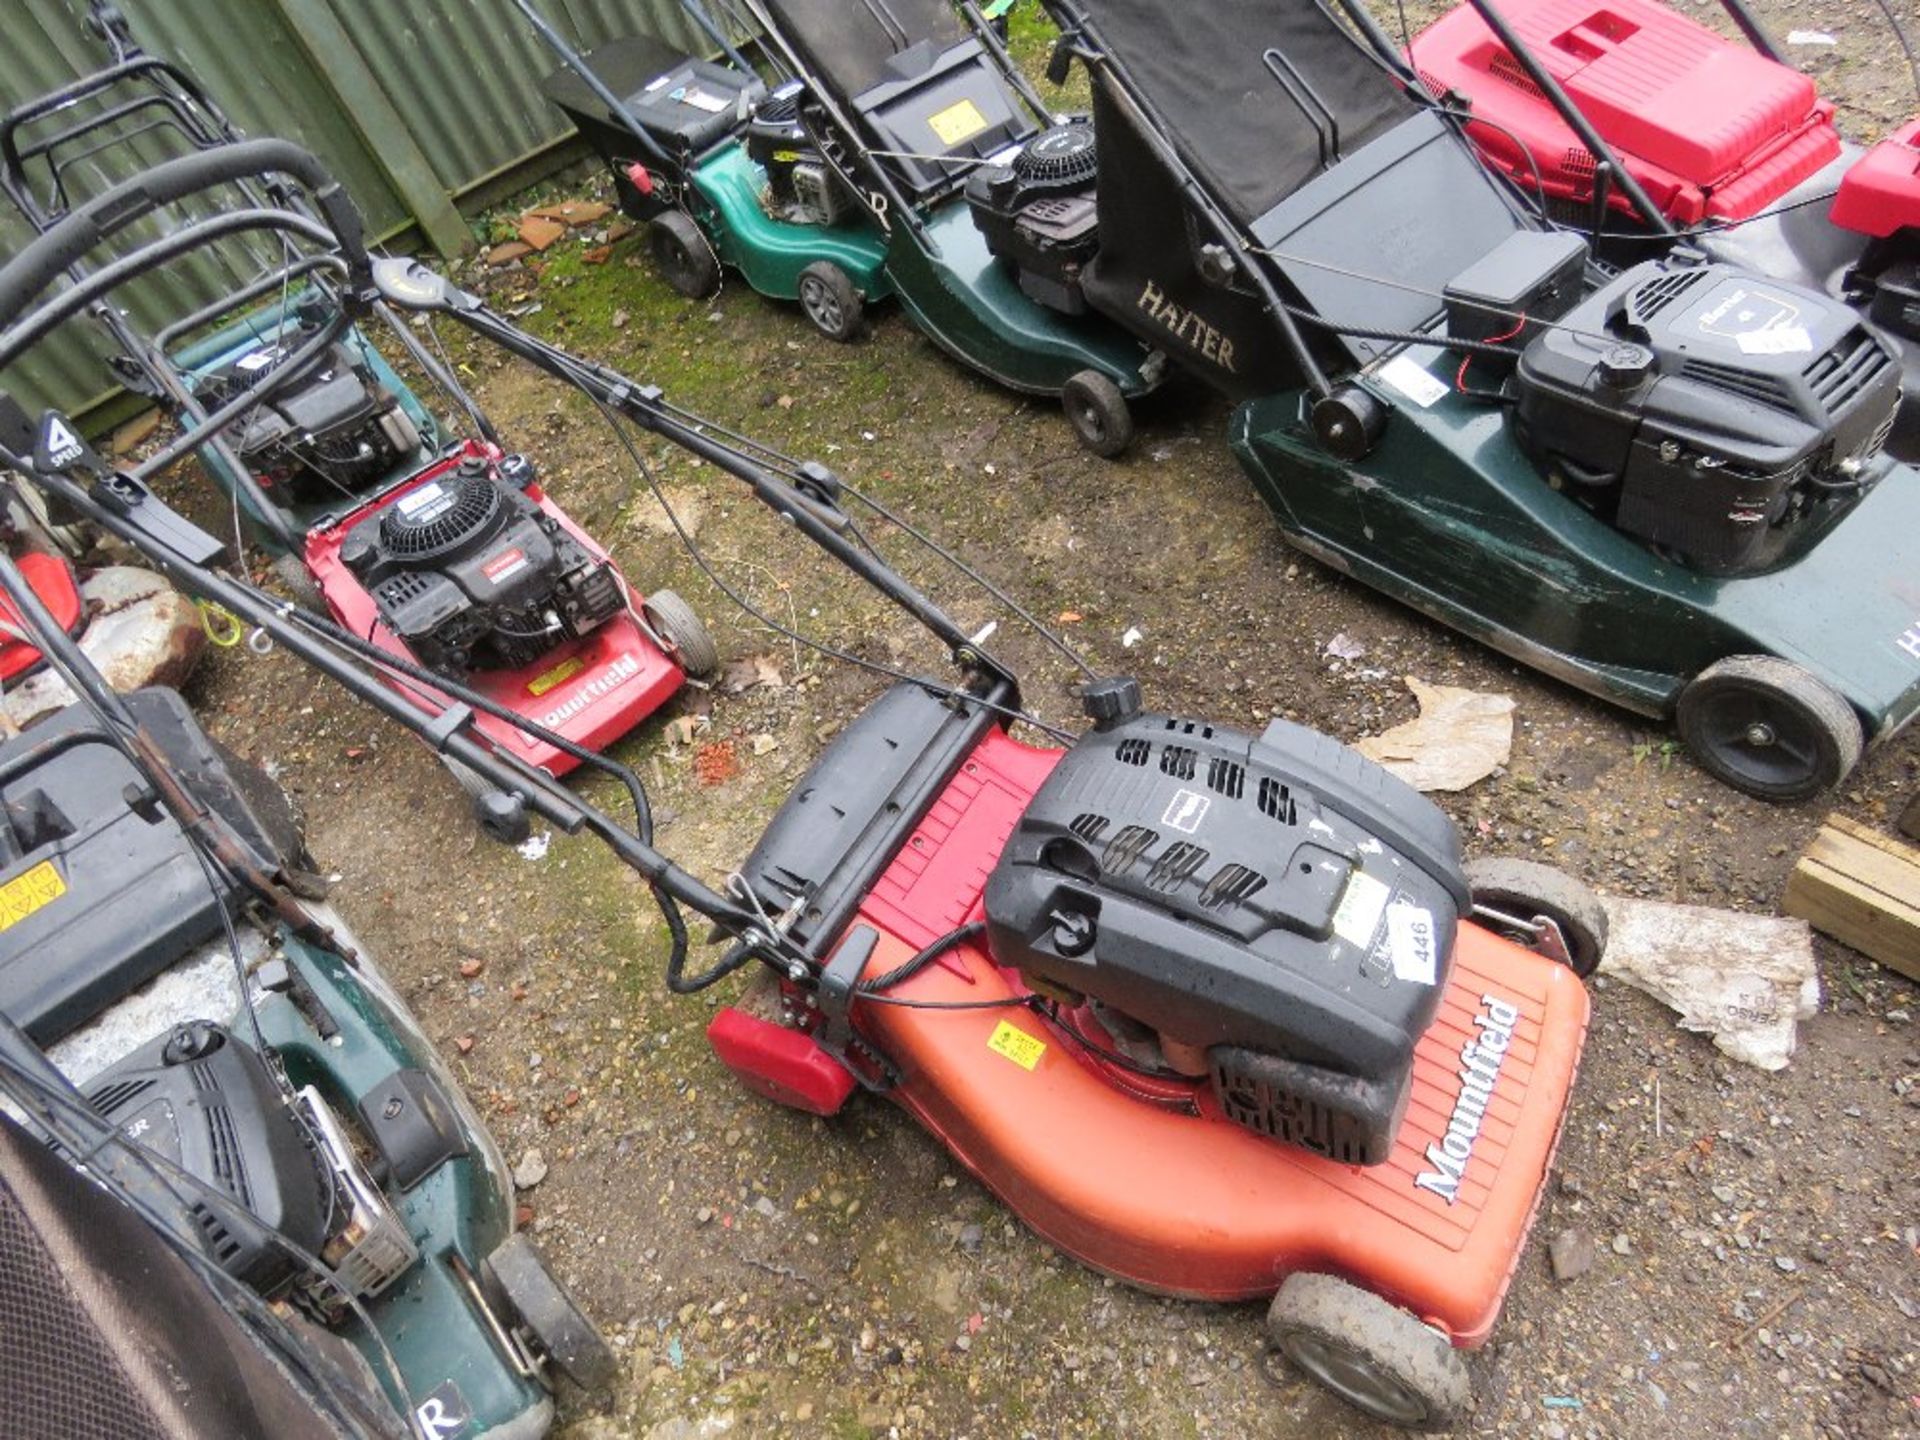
<point x="378" y="121"/>
<point x="1863" y="889"/>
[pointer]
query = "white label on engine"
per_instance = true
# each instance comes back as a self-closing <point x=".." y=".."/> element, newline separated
<point x="1415" y="949"/>
<point x="259" y="359"/>
<point x="430" y="500"/>
<point x="1186" y="810"/>
<point x="1781" y="340"/>
<point x="1357" y="920"/>
<point x="1406" y="375"/>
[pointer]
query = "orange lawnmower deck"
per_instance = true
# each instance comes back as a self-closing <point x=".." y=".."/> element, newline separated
<point x="1143" y="1179"/>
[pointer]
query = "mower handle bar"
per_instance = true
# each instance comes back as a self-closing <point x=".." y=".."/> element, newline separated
<point x="49" y="255"/>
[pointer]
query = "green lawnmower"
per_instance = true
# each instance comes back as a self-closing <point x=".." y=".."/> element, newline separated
<point x="899" y="155"/>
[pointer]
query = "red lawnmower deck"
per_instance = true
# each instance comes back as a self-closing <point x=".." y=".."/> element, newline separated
<point x="592" y="690"/>
<point x="1711" y="129"/>
<point x="1145" y="1179"/>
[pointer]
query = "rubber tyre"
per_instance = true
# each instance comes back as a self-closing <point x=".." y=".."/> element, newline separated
<point x="685" y="633"/>
<point x="294" y="577"/>
<point x="1528" y="889"/>
<point x="1372" y="1354"/>
<point x="1098" y="413"/>
<point x="830" y="302"/>
<point x="1814" y="740"/>
<point x="681" y="253"/>
<point x="546" y="1309"/>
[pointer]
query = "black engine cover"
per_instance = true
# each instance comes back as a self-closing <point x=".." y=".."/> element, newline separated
<point x="1038" y="213"/>
<point x="205" y="1102"/>
<point x="473" y="575"/>
<point x="332" y="430"/>
<point x="1281" y="902"/>
<point x="1710" y="412"/>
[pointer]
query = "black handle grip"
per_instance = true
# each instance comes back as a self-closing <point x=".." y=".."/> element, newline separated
<point x="47" y="257"/>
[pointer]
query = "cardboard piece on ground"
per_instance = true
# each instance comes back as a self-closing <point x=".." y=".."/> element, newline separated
<point x="1863" y="889"/>
<point x="1461" y="737"/>
<point x="1745" y="980"/>
<point x="573" y="212"/>
<point x="539" y="232"/>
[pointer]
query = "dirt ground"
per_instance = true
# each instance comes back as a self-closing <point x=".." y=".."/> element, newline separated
<point x="764" y="1273"/>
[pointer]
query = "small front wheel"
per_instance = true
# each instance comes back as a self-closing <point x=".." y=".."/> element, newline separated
<point x="1373" y="1355"/>
<point x="1098" y="413"/>
<point x="682" y="632"/>
<point x="829" y="299"/>
<point x="1520" y="899"/>
<point x="685" y="260"/>
<point x="1765" y="726"/>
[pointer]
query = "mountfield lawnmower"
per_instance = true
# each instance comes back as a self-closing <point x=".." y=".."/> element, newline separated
<point x="452" y="556"/>
<point x="1635" y="114"/>
<point x="1667" y="485"/>
<point x="224" y="1075"/>
<point x="1220" y="1014"/>
<point x="900" y="154"/>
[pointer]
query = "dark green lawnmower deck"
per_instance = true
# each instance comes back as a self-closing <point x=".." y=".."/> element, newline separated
<point x="1447" y="515"/>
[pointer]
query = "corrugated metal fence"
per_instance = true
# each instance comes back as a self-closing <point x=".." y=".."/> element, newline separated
<point x="415" y="104"/>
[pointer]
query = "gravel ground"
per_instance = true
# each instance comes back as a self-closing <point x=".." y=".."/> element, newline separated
<point x="1753" y="1246"/>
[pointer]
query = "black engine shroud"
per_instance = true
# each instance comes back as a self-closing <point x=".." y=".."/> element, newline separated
<point x="472" y="574"/>
<point x="1280" y="903"/>
<point x="1038" y="213"/>
<point x="1708" y="411"/>
<point x="332" y="430"/>
<point x="207" y="1104"/>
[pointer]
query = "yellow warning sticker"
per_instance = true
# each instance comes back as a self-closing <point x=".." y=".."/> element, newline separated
<point x="957" y="122"/>
<point x="1016" y="1044"/>
<point x="35" y="890"/>
<point x="559" y="675"/>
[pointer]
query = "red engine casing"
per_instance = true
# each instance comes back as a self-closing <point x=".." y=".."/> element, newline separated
<point x="1709" y="127"/>
<point x="1880" y="195"/>
<point x="52" y="579"/>
<point x="592" y="690"/>
<point x="1141" y="1178"/>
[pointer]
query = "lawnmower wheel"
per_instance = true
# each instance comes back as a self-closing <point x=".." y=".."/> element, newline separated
<point x="1511" y="897"/>
<point x="549" y="1313"/>
<point x="1098" y="413"/>
<point x="1372" y="1354"/>
<point x="1765" y="726"/>
<point x="828" y="298"/>
<point x="673" y="620"/>
<point x="294" y="577"/>
<point x="685" y="260"/>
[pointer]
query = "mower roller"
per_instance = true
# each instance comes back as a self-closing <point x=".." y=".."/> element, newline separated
<point x="1727" y="146"/>
<point x="901" y="155"/>
<point x="449" y="554"/>
<point x="1667" y="485"/>
<point x="1222" y="1015"/>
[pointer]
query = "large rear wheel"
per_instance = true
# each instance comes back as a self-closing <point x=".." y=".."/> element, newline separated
<point x="1765" y="726"/>
<point x="685" y="260"/>
<point x="1373" y="1355"/>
